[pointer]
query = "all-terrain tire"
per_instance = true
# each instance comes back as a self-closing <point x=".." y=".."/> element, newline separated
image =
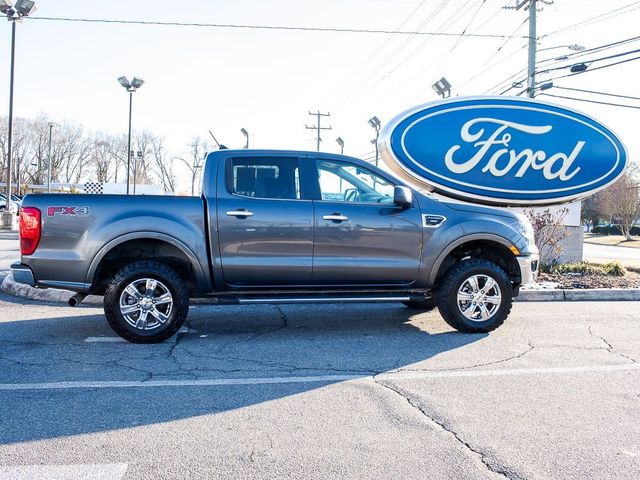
<point x="458" y="280"/>
<point x="168" y="281"/>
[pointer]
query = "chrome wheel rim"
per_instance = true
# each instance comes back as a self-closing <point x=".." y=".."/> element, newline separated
<point x="479" y="298"/>
<point x="146" y="304"/>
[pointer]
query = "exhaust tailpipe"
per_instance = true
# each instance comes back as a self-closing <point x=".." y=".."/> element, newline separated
<point x="76" y="299"/>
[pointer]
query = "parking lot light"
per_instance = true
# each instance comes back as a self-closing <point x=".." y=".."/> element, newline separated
<point x="135" y="84"/>
<point x="22" y="9"/>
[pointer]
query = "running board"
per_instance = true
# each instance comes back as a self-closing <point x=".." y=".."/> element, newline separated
<point x="299" y="299"/>
<point x="325" y="300"/>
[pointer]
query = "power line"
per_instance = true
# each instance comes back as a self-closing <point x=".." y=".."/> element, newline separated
<point x="596" y="93"/>
<point x="266" y="27"/>
<point x="588" y="51"/>
<point x="622" y="54"/>
<point x="380" y="65"/>
<point x="444" y="58"/>
<point x="596" y="68"/>
<point x="591" y="101"/>
<point x="459" y="13"/>
<point x="375" y="52"/>
<point x="597" y="18"/>
<point x="485" y="67"/>
<point x="517" y="83"/>
<point x="573" y="55"/>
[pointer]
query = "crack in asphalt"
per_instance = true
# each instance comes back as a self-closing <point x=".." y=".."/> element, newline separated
<point x="491" y="466"/>
<point x="278" y="365"/>
<point x="486" y="364"/>
<point x="609" y="347"/>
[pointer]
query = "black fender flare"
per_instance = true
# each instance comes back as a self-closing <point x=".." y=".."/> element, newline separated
<point x="201" y="279"/>
<point x="459" y="241"/>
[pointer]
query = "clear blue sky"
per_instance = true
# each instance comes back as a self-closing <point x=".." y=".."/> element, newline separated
<point x="222" y="79"/>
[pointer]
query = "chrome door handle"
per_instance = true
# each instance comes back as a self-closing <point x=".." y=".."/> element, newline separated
<point x="240" y="213"/>
<point x="335" y="217"/>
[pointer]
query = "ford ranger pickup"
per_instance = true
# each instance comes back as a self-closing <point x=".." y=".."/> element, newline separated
<point x="277" y="227"/>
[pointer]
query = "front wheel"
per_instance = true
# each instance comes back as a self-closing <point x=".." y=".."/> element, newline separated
<point x="146" y="302"/>
<point x="475" y="296"/>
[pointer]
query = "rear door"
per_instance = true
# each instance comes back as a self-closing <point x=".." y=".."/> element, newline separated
<point x="362" y="238"/>
<point x="265" y="222"/>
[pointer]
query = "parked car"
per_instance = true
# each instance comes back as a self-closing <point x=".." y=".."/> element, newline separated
<point x="14" y="204"/>
<point x="277" y="227"/>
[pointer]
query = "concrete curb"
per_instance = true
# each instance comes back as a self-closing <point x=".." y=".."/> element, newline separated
<point x="586" y="295"/>
<point x="42" y="294"/>
<point x="551" y="295"/>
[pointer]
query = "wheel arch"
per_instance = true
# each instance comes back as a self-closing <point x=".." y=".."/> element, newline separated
<point x="148" y="242"/>
<point x="482" y="245"/>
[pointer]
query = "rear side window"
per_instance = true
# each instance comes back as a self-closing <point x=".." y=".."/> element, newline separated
<point x="265" y="178"/>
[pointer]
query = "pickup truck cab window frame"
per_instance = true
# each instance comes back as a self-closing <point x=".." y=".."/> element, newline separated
<point x="265" y="163"/>
<point x="380" y="191"/>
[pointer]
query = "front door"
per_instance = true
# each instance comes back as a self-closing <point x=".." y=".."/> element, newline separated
<point x="265" y="225"/>
<point x="362" y="238"/>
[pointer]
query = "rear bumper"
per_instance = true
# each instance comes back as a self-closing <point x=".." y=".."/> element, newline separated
<point x="528" y="268"/>
<point x="23" y="274"/>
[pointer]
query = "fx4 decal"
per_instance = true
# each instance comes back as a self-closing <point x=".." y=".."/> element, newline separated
<point x="67" y="211"/>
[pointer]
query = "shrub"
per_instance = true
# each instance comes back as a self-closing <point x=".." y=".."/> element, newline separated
<point x="612" y="269"/>
<point x="582" y="268"/>
<point x="615" y="269"/>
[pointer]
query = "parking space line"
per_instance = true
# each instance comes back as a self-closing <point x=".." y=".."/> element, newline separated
<point x="104" y="339"/>
<point x="111" y="471"/>
<point x="406" y="375"/>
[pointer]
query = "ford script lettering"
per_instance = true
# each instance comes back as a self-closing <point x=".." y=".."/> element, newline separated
<point x="503" y="151"/>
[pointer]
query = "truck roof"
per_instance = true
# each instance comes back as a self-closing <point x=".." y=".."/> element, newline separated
<point x="267" y="152"/>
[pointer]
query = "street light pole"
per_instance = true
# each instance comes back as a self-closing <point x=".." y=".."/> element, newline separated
<point x="23" y="8"/>
<point x="49" y="159"/>
<point x="375" y="123"/>
<point x="131" y="87"/>
<point x="7" y="218"/>
<point x="129" y="139"/>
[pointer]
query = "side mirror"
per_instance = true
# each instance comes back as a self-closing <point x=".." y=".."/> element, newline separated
<point x="402" y="196"/>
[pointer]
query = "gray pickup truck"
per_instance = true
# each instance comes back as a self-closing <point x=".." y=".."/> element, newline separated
<point x="277" y="227"/>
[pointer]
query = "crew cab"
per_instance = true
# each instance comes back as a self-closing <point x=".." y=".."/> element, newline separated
<point x="277" y="227"/>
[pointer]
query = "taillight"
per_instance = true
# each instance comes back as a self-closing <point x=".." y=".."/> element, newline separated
<point x="30" y="228"/>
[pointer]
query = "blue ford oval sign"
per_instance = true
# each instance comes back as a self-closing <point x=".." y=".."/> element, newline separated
<point x="503" y="151"/>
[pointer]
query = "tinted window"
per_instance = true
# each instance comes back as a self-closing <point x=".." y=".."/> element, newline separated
<point x="266" y="177"/>
<point x="344" y="182"/>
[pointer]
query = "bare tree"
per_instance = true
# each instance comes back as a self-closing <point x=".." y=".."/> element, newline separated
<point x="163" y="165"/>
<point x="141" y="143"/>
<point x="101" y="157"/>
<point x="194" y="160"/>
<point x="621" y="201"/>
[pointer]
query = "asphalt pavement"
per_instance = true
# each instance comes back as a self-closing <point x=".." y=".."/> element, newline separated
<point x="316" y="392"/>
<point x="628" y="256"/>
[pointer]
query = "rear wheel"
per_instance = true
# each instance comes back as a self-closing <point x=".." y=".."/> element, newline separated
<point x="475" y="296"/>
<point x="146" y="302"/>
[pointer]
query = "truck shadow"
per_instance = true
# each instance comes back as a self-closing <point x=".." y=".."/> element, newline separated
<point x="222" y="343"/>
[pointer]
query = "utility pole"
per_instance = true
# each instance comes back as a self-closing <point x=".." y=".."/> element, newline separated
<point x="531" y="68"/>
<point x="532" y="6"/>
<point x="317" y="126"/>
